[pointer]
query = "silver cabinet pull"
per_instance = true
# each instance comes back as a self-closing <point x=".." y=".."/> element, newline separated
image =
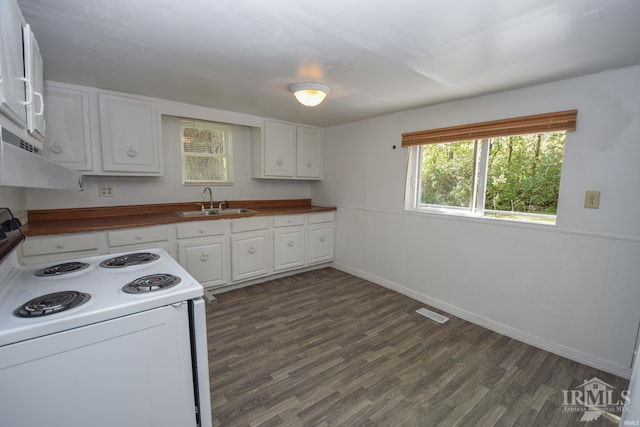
<point x="252" y="250"/>
<point x="40" y="112"/>
<point x="131" y="152"/>
<point x="56" y="148"/>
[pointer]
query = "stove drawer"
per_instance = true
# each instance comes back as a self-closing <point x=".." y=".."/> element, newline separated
<point x="133" y="236"/>
<point x="59" y="244"/>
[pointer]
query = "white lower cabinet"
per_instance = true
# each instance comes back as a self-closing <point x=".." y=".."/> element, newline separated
<point x="250" y="255"/>
<point x="135" y="239"/>
<point x="202" y="251"/>
<point x="43" y="249"/>
<point x="215" y="252"/>
<point x="320" y="237"/>
<point x="288" y="242"/>
<point x="205" y="260"/>
<point x="250" y="252"/>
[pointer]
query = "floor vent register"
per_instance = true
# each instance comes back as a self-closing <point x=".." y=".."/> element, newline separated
<point x="432" y="315"/>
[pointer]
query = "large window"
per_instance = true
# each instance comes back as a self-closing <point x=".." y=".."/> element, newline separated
<point x="206" y="152"/>
<point x="506" y="176"/>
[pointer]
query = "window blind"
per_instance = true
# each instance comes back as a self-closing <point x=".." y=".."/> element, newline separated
<point x="539" y="123"/>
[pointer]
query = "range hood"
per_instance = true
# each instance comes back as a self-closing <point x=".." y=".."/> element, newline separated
<point x="22" y="165"/>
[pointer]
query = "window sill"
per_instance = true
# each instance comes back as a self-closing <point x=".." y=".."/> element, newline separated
<point x="464" y="214"/>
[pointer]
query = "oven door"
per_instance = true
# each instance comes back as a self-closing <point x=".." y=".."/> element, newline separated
<point x="131" y="371"/>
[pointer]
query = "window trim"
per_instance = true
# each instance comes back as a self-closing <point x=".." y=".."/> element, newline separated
<point x="208" y="124"/>
<point x="477" y="210"/>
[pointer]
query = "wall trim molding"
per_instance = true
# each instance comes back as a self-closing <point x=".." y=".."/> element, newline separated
<point x="491" y="222"/>
<point x="552" y="347"/>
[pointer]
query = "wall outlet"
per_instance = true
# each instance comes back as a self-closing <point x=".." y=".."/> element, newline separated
<point x="106" y="191"/>
<point x="592" y="199"/>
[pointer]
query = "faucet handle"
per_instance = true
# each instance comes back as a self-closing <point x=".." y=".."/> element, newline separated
<point x="201" y="206"/>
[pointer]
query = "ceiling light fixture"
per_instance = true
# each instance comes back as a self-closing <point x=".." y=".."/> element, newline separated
<point x="310" y="94"/>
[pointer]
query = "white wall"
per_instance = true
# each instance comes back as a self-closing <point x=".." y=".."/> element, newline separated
<point x="169" y="188"/>
<point x="14" y="199"/>
<point x="573" y="288"/>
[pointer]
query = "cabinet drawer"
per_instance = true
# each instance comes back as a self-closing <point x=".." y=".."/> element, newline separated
<point x="288" y="220"/>
<point x="322" y="217"/>
<point x="200" y="229"/>
<point x="249" y="224"/>
<point x="138" y="235"/>
<point x="59" y="244"/>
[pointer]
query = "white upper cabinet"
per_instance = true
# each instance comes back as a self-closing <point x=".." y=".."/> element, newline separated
<point x="309" y="152"/>
<point x="279" y="149"/>
<point x="35" y="85"/>
<point x="287" y="151"/>
<point x="12" y="80"/>
<point x="68" y="140"/>
<point x="21" y="83"/>
<point x="129" y="135"/>
<point x="102" y="133"/>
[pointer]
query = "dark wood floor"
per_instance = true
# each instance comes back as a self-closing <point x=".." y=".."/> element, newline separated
<point x="324" y="348"/>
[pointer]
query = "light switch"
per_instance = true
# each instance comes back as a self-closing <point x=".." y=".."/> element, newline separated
<point x="592" y="199"/>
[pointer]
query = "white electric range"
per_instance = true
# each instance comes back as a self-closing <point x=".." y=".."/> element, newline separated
<point x="116" y="339"/>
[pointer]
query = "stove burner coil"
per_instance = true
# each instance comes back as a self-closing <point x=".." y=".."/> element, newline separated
<point x="60" y="269"/>
<point x="52" y="303"/>
<point x="151" y="283"/>
<point x="129" y="260"/>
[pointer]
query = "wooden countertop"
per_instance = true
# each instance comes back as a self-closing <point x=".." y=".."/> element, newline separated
<point x="80" y="220"/>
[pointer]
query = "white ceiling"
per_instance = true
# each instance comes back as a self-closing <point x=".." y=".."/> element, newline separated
<point x="379" y="57"/>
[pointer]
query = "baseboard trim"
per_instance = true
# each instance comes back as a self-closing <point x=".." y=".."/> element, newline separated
<point x="552" y="347"/>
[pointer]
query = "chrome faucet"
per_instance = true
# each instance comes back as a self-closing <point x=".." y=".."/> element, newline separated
<point x="210" y="196"/>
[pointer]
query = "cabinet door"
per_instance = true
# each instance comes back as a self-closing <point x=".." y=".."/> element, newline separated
<point x="35" y="85"/>
<point x="205" y="260"/>
<point x="288" y="246"/>
<point x="279" y="149"/>
<point x="130" y="138"/>
<point x="68" y="139"/>
<point x="12" y="89"/>
<point x="309" y="152"/>
<point x="320" y="242"/>
<point x="249" y="255"/>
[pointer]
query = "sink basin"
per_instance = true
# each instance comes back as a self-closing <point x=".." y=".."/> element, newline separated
<point x="206" y="212"/>
<point x="209" y="212"/>
<point x="235" y="211"/>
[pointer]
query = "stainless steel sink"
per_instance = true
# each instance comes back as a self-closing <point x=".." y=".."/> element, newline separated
<point x="206" y="212"/>
<point x="235" y="211"/>
<point x="211" y="212"/>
